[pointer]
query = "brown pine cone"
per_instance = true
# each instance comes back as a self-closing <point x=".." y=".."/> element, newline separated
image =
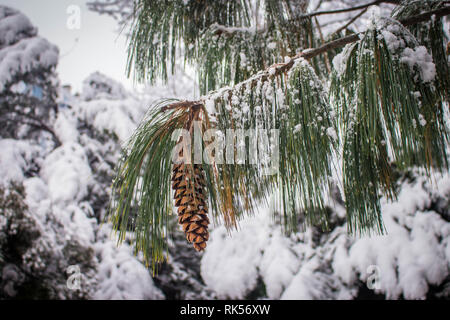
<point x="188" y="183"/>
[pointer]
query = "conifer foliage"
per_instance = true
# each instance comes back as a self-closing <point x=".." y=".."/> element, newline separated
<point x="263" y="65"/>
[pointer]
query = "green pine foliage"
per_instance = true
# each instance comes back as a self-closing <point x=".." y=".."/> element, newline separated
<point x="141" y="197"/>
<point x="381" y="110"/>
<point x="390" y="115"/>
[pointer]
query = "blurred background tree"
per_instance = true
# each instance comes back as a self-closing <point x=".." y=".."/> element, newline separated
<point x="268" y="65"/>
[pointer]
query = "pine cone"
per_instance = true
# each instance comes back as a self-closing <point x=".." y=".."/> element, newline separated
<point x="188" y="183"/>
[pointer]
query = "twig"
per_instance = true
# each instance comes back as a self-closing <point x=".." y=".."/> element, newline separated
<point x="280" y="68"/>
<point x="182" y="104"/>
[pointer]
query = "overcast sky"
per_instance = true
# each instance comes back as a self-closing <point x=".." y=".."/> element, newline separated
<point x="95" y="45"/>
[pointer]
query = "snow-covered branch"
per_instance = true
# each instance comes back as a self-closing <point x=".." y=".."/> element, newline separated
<point x="280" y="68"/>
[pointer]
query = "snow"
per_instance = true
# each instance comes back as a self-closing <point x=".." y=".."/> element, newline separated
<point x="97" y="85"/>
<point x="272" y="45"/>
<point x="114" y="116"/>
<point x="225" y="29"/>
<point x="60" y="183"/>
<point x="210" y="106"/>
<point x="410" y="256"/>
<point x="25" y="56"/>
<point x="404" y="46"/>
<point x="19" y="87"/>
<point x="105" y="105"/>
<point x="62" y="200"/>
<point x="331" y="23"/>
<point x="65" y="127"/>
<point x="280" y="94"/>
<point x="278" y="265"/>
<point x="234" y="276"/>
<point x="374" y="14"/>
<point x="243" y="58"/>
<point x="420" y="58"/>
<point x="401" y="44"/>
<point x="340" y="60"/>
<point x="392" y="41"/>
<point x="331" y="132"/>
<point x="422" y="120"/>
<point x="64" y="181"/>
<point x="121" y="277"/>
<point x="235" y="100"/>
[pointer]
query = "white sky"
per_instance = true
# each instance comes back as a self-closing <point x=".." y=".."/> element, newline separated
<point x="96" y="45"/>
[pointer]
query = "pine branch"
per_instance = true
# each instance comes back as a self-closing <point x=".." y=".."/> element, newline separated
<point x="219" y="29"/>
<point x="229" y="31"/>
<point x="345" y="26"/>
<point x="280" y="68"/>
<point x="391" y="114"/>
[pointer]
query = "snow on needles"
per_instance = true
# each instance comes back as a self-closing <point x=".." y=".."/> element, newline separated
<point x="63" y="191"/>
<point x="66" y="179"/>
<point x="340" y="60"/>
<point x="405" y="47"/>
<point x="415" y="252"/>
<point x="402" y="45"/>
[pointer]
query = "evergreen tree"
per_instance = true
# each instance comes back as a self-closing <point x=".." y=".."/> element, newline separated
<point x="28" y="85"/>
<point x="53" y="195"/>
<point x="266" y="65"/>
